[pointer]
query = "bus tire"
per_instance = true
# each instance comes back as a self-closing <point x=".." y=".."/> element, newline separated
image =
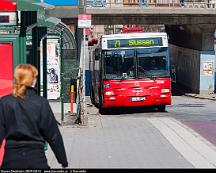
<point x="162" y="108"/>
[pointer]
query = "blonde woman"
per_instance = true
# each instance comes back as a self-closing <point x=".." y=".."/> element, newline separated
<point x="26" y="121"/>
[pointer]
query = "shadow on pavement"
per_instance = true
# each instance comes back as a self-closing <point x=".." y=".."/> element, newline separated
<point x="132" y="110"/>
<point x="190" y="105"/>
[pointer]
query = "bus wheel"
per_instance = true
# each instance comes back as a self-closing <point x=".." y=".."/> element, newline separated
<point x="162" y="108"/>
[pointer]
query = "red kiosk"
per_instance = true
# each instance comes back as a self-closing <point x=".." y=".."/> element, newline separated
<point x="8" y="17"/>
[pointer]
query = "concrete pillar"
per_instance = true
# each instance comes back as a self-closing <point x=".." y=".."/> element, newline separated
<point x="207" y="72"/>
<point x="207" y="59"/>
<point x="192" y="52"/>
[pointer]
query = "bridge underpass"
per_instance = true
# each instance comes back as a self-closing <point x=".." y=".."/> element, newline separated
<point x="191" y="38"/>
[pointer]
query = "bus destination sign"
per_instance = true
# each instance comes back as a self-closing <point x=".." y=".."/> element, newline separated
<point x="135" y="42"/>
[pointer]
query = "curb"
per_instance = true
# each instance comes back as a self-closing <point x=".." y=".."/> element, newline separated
<point x="200" y="97"/>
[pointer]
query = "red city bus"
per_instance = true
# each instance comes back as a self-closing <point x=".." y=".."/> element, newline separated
<point x="131" y="70"/>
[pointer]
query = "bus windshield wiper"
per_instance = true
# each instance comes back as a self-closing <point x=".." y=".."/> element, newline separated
<point x="122" y="78"/>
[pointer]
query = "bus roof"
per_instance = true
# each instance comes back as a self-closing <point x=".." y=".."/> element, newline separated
<point x="132" y="35"/>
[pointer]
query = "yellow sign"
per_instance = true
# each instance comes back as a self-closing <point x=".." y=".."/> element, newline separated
<point x="140" y="42"/>
<point x="135" y="42"/>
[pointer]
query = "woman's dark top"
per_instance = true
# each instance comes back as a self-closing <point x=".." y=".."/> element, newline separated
<point x="30" y="122"/>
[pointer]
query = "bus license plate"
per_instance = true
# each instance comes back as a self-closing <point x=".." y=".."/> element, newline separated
<point x="137" y="99"/>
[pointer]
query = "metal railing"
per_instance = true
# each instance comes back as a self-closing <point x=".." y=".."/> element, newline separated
<point x="151" y="3"/>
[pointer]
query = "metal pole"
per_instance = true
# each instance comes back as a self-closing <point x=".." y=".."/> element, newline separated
<point x="62" y="77"/>
<point x="45" y="67"/>
<point x="84" y="69"/>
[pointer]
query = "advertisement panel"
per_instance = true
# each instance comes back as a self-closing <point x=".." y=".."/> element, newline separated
<point x="53" y="68"/>
<point x="208" y="68"/>
<point x="60" y="2"/>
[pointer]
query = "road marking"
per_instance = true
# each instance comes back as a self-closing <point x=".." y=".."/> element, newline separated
<point x="189" y="144"/>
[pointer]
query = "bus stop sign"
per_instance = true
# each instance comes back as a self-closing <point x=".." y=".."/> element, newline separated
<point x="84" y="21"/>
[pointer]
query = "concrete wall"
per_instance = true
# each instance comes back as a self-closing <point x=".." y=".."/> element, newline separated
<point x="187" y="63"/>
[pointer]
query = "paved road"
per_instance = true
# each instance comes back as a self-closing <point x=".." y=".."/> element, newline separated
<point x="198" y="114"/>
<point x="186" y="108"/>
<point x="142" y="139"/>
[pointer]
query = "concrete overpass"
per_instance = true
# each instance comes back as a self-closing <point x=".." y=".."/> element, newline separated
<point x="191" y="13"/>
<point x="151" y="15"/>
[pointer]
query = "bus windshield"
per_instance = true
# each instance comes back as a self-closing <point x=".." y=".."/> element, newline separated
<point x="152" y="62"/>
<point x="135" y="63"/>
<point x="117" y="63"/>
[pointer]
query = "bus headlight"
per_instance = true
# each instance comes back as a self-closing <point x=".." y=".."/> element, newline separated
<point x="109" y="93"/>
<point x="165" y="91"/>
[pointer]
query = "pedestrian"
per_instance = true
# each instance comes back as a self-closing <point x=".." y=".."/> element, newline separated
<point x="182" y="3"/>
<point x="26" y="122"/>
<point x="153" y="64"/>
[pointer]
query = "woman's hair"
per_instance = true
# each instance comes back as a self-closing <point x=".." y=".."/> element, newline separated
<point x="24" y="76"/>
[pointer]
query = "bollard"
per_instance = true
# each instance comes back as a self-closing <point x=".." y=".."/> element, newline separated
<point x="71" y="98"/>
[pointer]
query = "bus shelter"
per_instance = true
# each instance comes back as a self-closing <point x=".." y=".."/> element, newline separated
<point x="24" y="19"/>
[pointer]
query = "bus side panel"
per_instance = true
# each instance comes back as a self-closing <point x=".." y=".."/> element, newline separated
<point x="6" y="68"/>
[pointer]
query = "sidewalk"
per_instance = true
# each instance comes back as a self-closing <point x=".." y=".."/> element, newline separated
<point x="125" y="141"/>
